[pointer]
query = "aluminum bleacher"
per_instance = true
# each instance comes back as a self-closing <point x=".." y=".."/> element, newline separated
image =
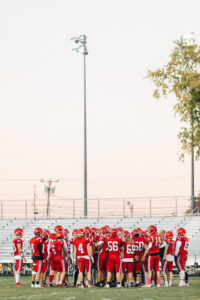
<point x="7" y="227"/>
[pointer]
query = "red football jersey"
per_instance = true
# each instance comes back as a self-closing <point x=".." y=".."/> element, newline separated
<point x="114" y="244"/>
<point x="128" y="250"/>
<point x="34" y="242"/>
<point x="17" y="241"/>
<point x="156" y="241"/>
<point x="183" y="250"/>
<point x="171" y="246"/>
<point x="81" y="246"/>
<point x="139" y="243"/>
<point x="45" y="248"/>
<point x="57" y="247"/>
<point x="104" y="247"/>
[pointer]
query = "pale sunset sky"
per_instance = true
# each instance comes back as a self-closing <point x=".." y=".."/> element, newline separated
<point x="132" y="138"/>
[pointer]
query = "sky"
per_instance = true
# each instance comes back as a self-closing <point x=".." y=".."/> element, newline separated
<point x="132" y="138"/>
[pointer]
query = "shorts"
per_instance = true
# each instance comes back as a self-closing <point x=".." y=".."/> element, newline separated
<point x="127" y="266"/>
<point x="153" y="263"/>
<point x="18" y="264"/>
<point x="84" y="263"/>
<point x="138" y="265"/>
<point x="114" y="261"/>
<point x="102" y="262"/>
<point x="37" y="265"/>
<point x="181" y="262"/>
<point x="44" y="267"/>
<point x="167" y="266"/>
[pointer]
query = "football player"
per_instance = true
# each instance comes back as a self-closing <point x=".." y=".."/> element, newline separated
<point x="115" y="252"/>
<point x="139" y="247"/>
<point x="154" y="240"/>
<point x="83" y="257"/>
<point x="103" y="256"/>
<point x="37" y="257"/>
<point x="45" y="237"/>
<point x="181" y="254"/>
<point x="127" y="260"/>
<point x="168" y="258"/>
<point x="18" y="254"/>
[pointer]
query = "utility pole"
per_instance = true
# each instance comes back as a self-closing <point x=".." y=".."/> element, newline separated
<point x="49" y="190"/>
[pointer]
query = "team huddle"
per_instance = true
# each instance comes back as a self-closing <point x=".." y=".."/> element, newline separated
<point x="103" y="257"/>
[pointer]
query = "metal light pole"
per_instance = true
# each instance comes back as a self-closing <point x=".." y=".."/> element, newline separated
<point x="81" y="42"/>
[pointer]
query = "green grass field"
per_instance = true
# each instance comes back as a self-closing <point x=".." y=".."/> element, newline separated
<point x="9" y="291"/>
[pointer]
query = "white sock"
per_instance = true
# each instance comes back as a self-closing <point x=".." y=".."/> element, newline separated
<point x="153" y="282"/>
<point x="166" y="282"/>
<point x="146" y="277"/>
<point x="17" y="278"/>
<point x="170" y="282"/>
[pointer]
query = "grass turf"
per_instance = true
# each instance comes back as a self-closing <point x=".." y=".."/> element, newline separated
<point x="8" y="291"/>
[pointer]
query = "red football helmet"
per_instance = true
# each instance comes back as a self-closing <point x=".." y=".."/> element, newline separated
<point x="136" y="231"/>
<point x="169" y="234"/>
<point x="45" y="233"/>
<point x="87" y="231"/>
<point x="113" y="232"/>
<point x="81" y="232"/>
<point x="104" y="230"/>
<point x="52" y="236"/>
<point x="144" y="234"/>
<point x="66" y="233"/>
<point x="18" y="232"/>
<point x="94" y="231"/>
<point x="74" y="232"/>
<point x="181" y="231"/>
<point x="126" y="234"/>
<point x="59" y="235"/>
<point x="151" y="229"/>
<point x="38" y="231"/>
<point x="58" y="228"/>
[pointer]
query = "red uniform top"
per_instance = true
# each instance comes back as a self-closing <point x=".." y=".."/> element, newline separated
<point x="35" y="243"/>
<point x="17" y="241"/>
<point x="183" y="240"/>
<point x="156" y="241"/>
<point x="171" y="246"/>
<point x="104" y="247"/>
<point x="114" y="243"/>
<point x="81" y="246"/>
<point x="128" y="250"/>
<point x="57" y="247"/>
<point x="139" y="243"/>
<point x="45" y="249"/>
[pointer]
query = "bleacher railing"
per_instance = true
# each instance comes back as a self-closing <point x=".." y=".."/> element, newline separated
<point x="98" y="208"/>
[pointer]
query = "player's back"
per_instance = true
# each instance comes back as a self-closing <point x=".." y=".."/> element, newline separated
<point x="81" y="246"/>
<point x="183" y="250"/>
<point x="114" y="244"/>
<point x="34" y="242"/>
<point x="139" y="243"/>
<point x="156" y="240"/>
<point x="17" y="241"/>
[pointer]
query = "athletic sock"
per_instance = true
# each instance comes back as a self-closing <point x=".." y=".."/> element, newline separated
<point x="17" y="278"/>
<point x="37" y="282"/>
<point x="149" y="281"/>
<point x="51" y="278"/>
<point x="158" y="281"/>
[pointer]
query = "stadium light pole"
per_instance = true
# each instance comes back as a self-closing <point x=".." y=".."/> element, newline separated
<point x="81" y="42"/>
<point x="189" y="40"/>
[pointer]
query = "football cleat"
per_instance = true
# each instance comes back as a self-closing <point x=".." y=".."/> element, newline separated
<point x="37" y="286"/>
<point x="18" y="284"/>
<point x="32" y="285"/>
<point x="107" y="286"/>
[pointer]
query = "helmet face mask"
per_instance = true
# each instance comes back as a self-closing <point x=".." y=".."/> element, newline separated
<point x="113" y="232"/>
<point x="59" y="235"/>
<point x="169" y="235"/>
<point x="81" y="233"/>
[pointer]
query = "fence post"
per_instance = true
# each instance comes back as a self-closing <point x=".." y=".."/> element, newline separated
<point x="1" y="210"/>
<point x="176" y="206"/>
<point x="73" y="208"/>
<point x="25" y="209"/>
<point x="150" y="207"/>
<point x="124" y="208"/>
<point x="98" y="209"/>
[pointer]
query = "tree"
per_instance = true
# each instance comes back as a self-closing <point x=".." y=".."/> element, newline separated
<point x="181" y="77"/>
